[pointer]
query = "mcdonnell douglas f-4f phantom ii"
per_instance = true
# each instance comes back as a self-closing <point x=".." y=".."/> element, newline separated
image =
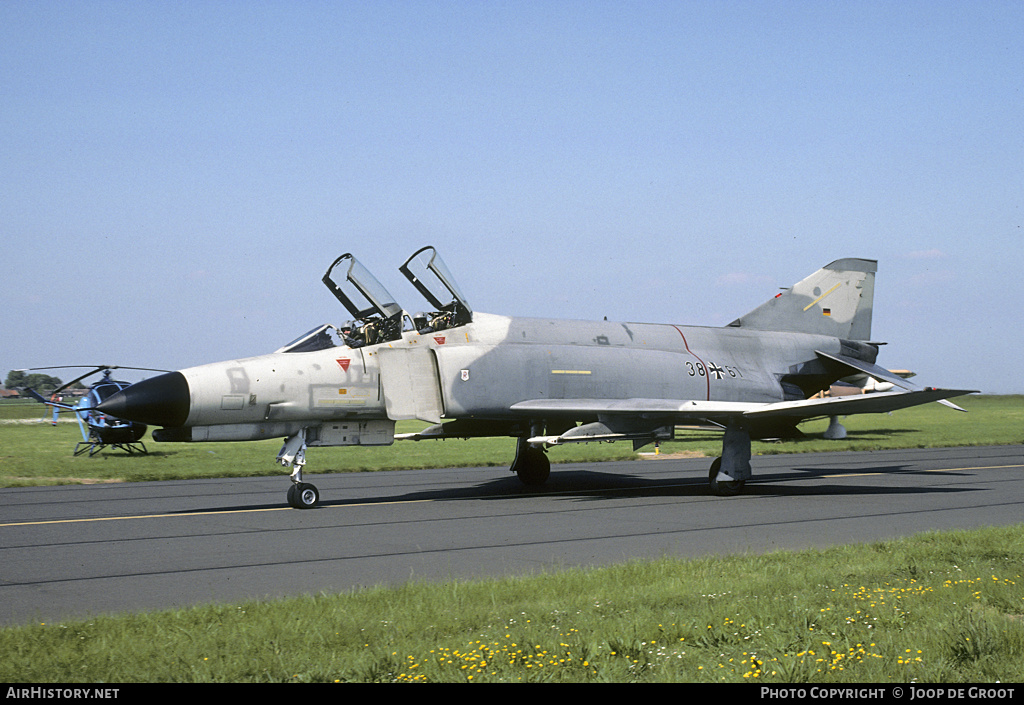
<point x="543" y="382"/>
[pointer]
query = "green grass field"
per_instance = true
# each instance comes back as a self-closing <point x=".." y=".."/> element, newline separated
<point x="32" y="452"/>
<point x="936" y="608"/>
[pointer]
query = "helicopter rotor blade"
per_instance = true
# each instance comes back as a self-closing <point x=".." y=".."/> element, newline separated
<point x="94" y="370"/>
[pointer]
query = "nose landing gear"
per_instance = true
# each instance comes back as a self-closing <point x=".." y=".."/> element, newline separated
<point x="301" y="495"/>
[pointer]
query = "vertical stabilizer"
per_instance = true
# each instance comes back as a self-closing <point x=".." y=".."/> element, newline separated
<point x="836" y="300"/>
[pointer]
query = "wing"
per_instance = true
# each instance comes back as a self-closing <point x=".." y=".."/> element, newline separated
<point x="644" y="420"/>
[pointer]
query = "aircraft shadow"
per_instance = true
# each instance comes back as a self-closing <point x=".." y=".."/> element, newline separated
<point x="595" y="485"/>
<point x="584" y="484"/>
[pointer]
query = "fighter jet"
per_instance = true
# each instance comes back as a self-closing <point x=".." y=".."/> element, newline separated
<point x="543" y="382"/>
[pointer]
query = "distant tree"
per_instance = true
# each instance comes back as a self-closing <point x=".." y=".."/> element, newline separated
<point x="17" y="379"/>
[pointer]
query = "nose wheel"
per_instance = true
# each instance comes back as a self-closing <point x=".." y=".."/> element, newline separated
<point x="303" y="495"/>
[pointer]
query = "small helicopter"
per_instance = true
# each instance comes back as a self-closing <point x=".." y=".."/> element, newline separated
<point x="99" y="430"/>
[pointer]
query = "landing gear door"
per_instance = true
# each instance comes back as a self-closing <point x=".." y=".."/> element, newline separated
<point x="429" y="274"/>
<point x="410" y="382"/>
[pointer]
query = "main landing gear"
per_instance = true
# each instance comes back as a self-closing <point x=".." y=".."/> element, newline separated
<point x="729" y="473"/>
<point x="531" y="464"/>
<point x="726" y="487"/>
<point x="301" y="495"/>
<point x="727" y="476"/>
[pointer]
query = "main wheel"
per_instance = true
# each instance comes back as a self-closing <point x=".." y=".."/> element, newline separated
<point x="532" y="466"/>
<point x="303" y="495"/>
<point x="729" y="488"/>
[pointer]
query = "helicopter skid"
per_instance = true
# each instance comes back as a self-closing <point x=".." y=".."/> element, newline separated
<point x="94" y="447"/>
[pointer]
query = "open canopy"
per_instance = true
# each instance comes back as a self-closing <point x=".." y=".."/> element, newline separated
<point x="431" y="277"/>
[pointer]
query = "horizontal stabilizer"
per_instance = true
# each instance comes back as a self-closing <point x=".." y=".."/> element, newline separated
<point x="878" y="403"/>
<point x="881" y="374"/>
<point x="856" y="366"/>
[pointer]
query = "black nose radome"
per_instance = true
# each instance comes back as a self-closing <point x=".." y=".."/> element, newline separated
<point x="158" y="401"/>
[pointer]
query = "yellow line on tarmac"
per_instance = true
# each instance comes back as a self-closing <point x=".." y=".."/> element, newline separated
<point x="142" y="516"/>
<point x="208" y="512"/>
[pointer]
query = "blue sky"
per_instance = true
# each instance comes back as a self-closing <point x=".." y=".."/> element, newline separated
<point x="177" y="176"/>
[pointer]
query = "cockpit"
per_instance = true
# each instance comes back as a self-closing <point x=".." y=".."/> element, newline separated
<point x="377" y="318"/>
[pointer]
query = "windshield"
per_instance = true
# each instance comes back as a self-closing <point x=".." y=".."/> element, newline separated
<point x="320" y="338"/>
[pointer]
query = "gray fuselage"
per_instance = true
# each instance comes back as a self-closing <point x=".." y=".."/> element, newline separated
<point x="481" y="369"/>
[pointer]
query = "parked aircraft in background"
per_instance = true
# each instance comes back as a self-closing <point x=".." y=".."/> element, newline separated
<point x="543" y="382"/>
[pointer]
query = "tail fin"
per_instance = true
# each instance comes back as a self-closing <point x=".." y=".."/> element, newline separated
<point x="836" y="300"/>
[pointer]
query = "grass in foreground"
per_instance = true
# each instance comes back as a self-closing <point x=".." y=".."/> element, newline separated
<point x="934" y="608"/>
<point x="39" y="454"/>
